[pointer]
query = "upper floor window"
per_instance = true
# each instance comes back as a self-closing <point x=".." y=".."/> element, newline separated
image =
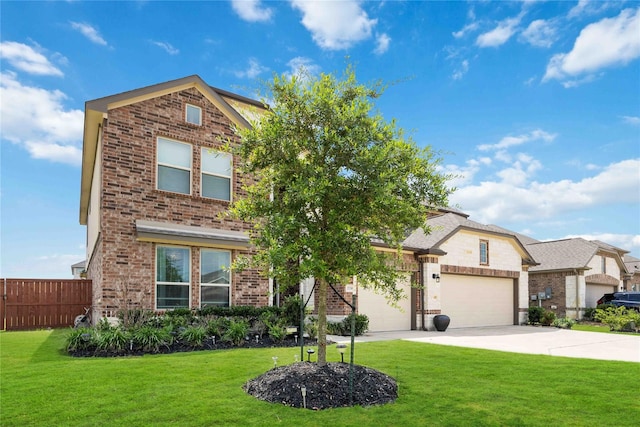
<point x="174" y="166"/>
<point x="484" y="252"/>
<point x="216" y="174"/>
<point x="173" y="277"/>
<point x="215" y="278"/>
<point x="193" y="114"/>
<point x="604" y="264"/>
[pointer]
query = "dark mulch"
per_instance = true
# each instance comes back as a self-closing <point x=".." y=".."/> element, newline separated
<point x="179" y="347"/>
<point x="326" y="386"/>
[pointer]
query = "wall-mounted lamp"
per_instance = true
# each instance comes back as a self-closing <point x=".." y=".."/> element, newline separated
<point x="436" y="276"/>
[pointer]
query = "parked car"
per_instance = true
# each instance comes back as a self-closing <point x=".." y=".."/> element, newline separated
<point x="626" y="299"/>
<point x="605" y="299"/>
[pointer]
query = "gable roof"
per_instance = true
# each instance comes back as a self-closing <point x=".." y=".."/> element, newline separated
<point x="97" y="110"/>
<point x="570" y="254"/>
<point x="632" y="264"/>
<point x="444" y="226"/>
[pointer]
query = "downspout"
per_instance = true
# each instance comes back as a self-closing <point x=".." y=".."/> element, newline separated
<point x="422" y="289"/>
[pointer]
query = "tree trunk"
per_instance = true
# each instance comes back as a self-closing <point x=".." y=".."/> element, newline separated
<point x="322" y="322"/>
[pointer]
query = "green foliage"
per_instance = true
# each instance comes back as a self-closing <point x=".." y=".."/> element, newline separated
<point x="548" y="317"/>
<point x="81" y="339"/>
<point x="564" y="323"/>
<point x="311" y="327"/>
<point x="112" y="339"/>
<point x="277" y="332"/>
<point x="291" y="310"/>
<point x="535" y="314"/>
<point x="339" y="174"/>
<point x="237" y="332"/>
<point x="619" y="318"/>
<point x="193" y="335"/>
<point x="217" y="326"/>
<point x="150" y="339"/>
<point x="589" y="314"/>
<point x="344" y="328"/>
<point x="135" y="317"/>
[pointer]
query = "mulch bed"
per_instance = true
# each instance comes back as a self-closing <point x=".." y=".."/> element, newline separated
<point x="326" y="386"/>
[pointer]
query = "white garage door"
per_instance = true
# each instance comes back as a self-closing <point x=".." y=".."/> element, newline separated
<point x="477" y="301"/>
<point x="382" y="316"/>
<point x="595" y="292"/>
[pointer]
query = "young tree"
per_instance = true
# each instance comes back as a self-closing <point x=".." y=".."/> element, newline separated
<point x="329" y="176"/>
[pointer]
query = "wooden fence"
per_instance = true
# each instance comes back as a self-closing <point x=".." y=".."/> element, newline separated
<point x="42" y="303"/>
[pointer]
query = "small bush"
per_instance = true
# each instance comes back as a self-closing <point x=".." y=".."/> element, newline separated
<point x="194" y="335"/>
<point x="589" y="314"/>
<point x="277" y="332"/>
<point x="547" y="318"/>
<point x="150" y="339"/>
<point x="311" y="327"/>
<point x="619" y="318"/>
<point x="81" y="339"/>
<point x="112" y="339"/>
<point x="344" y="328"/>
<point x="535" y="314"/>
<point x="218" y="326"/>
<point x="237" y="332"/>
<point x="135" y="317"/>
<point x="291" y="310"/>
<point x="564" y="323"/>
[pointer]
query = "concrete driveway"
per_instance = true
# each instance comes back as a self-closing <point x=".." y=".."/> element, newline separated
<point x="523" y="339"/>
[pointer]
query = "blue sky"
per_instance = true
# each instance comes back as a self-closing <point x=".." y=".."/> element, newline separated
<point x="535" y="105"/>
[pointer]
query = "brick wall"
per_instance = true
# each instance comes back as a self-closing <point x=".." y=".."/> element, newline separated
<point x="129" y="194"/>
<point x="538" y="282"/>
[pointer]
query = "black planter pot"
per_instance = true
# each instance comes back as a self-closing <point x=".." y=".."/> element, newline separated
<point x="441" y="322"/>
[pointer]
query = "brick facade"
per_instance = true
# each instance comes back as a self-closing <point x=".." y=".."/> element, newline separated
<point x="538" y="282"/>
<point x="123" y="268"/>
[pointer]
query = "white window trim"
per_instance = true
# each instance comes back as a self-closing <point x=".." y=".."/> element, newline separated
<point x="186" y="116"/>
<point x="227" y="285"/>
<point x="158" y="163"/>
<point x="155" y="275"/>
<point x="204" y="150"/>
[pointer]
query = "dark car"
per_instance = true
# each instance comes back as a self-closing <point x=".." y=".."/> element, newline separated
<point x="626" y="299"/>
<point x="605" y="299"/>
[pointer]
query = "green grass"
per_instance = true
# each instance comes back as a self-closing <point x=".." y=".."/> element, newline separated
<point x="438" y="385"/>
<point x="598" y="328"/>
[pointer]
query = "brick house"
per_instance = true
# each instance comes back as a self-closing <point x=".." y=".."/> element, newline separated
<point x="632" y="279"/>
<point x="573" y="274"/>
<point x="154" y="186"/>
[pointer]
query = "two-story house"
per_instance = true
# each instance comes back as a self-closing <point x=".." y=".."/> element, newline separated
<point x="155" y="186"/>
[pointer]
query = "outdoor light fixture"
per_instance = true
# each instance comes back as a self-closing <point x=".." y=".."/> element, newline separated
<point x="256" y="339"/>
<point x="295" y="358"/>
<point x="303" y="389"/>
<point x="296" y="338"/>
<point x="275" y="361"/>
<point x="436" y="276"/>
<point x="310" y="351"/>
<point x="341" y="349"/>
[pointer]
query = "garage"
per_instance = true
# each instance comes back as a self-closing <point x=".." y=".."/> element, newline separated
<point x="477" y="301"/>
<point x="595" y="292"/>
<point x="382" y="316"/>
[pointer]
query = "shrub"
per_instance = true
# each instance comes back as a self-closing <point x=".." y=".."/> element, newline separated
<point x="311" y="327"/>
<point x="344" y="327"/>
<point x="135" y="317"/>
<point x="291" y="310"/>
<point x="535" y="314"/>
<point x="237" y="332"/>
<point x="619" y="318"/>
<point x="150" y="339"/>
<point x="218" y="326"/>
<point x="564" y="323"/>
<point x="112" y="339"/>
<point x="589" y="314"/>
<point x="194" y="335"/>
<point x="548" y="317"/>
<point x="81" y="339"/>
<point x="277" y="332"/>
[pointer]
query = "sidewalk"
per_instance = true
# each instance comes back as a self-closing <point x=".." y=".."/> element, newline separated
<point x="522" y="339"/>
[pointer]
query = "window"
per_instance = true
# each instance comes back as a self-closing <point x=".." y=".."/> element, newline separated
<point x="173" y="277"/>
<point x="604" y="264"/>
<point x="174" y="166"/>
<point x="215" y="277"/>
<point x="484" y="252"/>
<point x="216" y="174"/>
<point x="193" y="115"/>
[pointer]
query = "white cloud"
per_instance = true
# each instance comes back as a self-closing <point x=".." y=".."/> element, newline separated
<point x="251" y="10"/>
<point x="629" y="242"/>
<point x="335" y="25"/>
<point x="606" y="43"/>
<point x="499" y="35"/>
<point x="167" y="47"/>
<point x="539" y="33"/>
<point x="382" y="44"/>
<point x="589" y="7"/>
<point x="461" y="71"/>
<point x="470" y="27"/>
<point x="302" y="67"/>
<point x="507" y="201"/>
<point x="510" y="141"/>
<point x="27" y="59"/>
<point x="53" y="133"/>
<point x="89" y="32"/>
<point x="631" y="120"/>
<point x="253" y="71"/>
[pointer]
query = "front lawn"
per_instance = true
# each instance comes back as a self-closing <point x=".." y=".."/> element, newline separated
<point x="438" y="385"/>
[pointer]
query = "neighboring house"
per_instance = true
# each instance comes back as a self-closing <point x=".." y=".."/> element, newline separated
<point x="78" y="270"/>
<point x="573" y="274"/>
<point x="476" y="274"/>
<point x="155" y="185"/>
<point x="632" y="279"/>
